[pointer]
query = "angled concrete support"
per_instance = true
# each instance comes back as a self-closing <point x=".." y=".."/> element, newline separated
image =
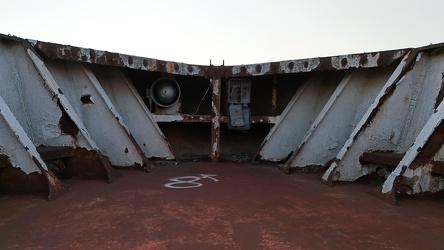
<point x="338" y="118"/>
<point x="297" y="118"/>
<point x="134" y="112"/>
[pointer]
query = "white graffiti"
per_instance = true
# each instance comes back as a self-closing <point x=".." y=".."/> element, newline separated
<point x="189" y="181"/>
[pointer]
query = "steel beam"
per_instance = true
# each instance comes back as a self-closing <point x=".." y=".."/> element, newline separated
<point x="208" y="118"/>
<point x="363" y="60"/>
<point x="215" y="120"/>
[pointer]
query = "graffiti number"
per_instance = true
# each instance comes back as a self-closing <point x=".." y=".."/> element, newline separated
<point x="189" y="181"/>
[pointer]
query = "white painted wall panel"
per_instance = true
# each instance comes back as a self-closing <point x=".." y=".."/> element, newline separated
<point x="134" y="113"/>
<point x="297" y="117"/>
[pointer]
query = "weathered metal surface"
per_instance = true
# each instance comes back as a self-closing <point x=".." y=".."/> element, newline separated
<point x="72" y="53"/>
<point x="341" y="113"/>
<point x="407" y="112"/>
<point x="364" y="60"/>
<point x="54" y="153"/>
<point x="22" y="154"/>
<point x="14" y="181"/>
<point x="182" y="118"/>
<point x="110" y="106"/>
<point x="297" y="118"/>
<point x="14" y="154"/>
<point x="415" y="165"/>
<point x="97" y="113"/>
<point x="347" y="113"/>
<point x="69" y="123"/>
<point x="24" y="91"/>
<point x="208" y="118"/>
<point x="215" y="120"/>
<point x="134" y="112"/>
<point x="68" y="162"/>
<point x="368" y="117"/>
<point x="382" y="158"/>
<point x="88" y="164"/>
<point x="438" y="167"/>
<point x="274" y="96"/>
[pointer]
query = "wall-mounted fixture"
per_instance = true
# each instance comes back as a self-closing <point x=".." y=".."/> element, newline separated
<point x="165" y="92"/>
<point x="238" y="99"/>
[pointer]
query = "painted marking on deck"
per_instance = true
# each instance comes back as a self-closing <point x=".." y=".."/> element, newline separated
<point x="189" y="181"/>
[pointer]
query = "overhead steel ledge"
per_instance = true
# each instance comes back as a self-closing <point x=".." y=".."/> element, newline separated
<point x="363" y="60"/>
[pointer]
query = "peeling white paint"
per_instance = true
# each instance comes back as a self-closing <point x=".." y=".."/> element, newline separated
<point x="215" y="147"/>
<point x="346" y="105"/>
<point x="51" y="131"/>
<point x="84" y="54"/>
<point x="426" y="132"/>
<point x="297" y="66"/>
<point x="54" y="89"/>
<point x="362" y="124"/>
<point x="15" y="143"/>
<point x="168" y="118"/>
<point x="236" y="70"/>
<point x="215" y="122"/>
<point x="134" y="112"/>
<point x="104" y="97"/>
<point x="289" y="131"/>
<point x="354" y="61"/>
<point x="101" y="119"/>
<point x="215" y="83"/>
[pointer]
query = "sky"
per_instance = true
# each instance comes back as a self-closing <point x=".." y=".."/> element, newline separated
<point x="236" y="32"/>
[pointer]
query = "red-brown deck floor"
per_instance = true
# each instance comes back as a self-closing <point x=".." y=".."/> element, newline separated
<point x="249" y="207"/>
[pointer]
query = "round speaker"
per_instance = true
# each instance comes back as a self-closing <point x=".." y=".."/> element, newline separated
<point x="165" y="92"/>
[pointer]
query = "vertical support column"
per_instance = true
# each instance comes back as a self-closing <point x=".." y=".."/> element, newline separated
<point x="274" y="97"/>
<point x="215" y="120"/>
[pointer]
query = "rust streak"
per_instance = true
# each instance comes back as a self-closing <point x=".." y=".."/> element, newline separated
<point x="56" y="187"/>
<point x="72" y="53"/>
<point x="89" y="164"/>
<point x="170" y="67"/>
<point x="215" y="123"/>
<point x="440" y="96"/>
<point x="274" y="96"/>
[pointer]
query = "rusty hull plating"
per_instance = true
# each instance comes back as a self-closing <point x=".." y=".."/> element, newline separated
<point x="326" y="113"/>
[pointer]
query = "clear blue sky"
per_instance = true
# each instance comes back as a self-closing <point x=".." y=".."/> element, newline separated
<point x="241" y="32"/>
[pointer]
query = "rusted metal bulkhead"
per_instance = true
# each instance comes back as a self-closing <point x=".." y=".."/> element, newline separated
<point x="364" y="60"/>
<point x="218" y="74"/>
<point x="89" y="164"/>
<point x="328" y="112"/>
<point x="15" y="181"/>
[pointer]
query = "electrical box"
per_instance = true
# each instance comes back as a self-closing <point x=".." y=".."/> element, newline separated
<point x="238" y="101"/>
